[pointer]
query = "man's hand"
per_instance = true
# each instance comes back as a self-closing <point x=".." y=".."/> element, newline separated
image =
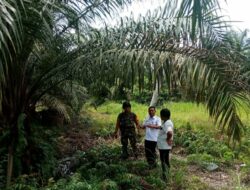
<point x="170" y="142"/>
<point x="169" y="138"/>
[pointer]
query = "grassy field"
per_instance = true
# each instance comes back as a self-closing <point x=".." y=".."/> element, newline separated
<point x="181" y="114"/>
<point x="199" y="160"/>
<point x="200" y="145"/>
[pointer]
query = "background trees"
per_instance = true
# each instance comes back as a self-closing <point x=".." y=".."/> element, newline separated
<point x="196" y="60"/>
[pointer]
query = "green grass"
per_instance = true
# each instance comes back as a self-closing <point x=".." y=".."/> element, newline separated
<point x="101" y="167"/>
<point x="181" y="114"/>
<point x="104" y="117"/>
<point x="186" y="112"/>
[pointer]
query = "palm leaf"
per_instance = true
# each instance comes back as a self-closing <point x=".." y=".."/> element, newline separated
<point x="209" y="72"/>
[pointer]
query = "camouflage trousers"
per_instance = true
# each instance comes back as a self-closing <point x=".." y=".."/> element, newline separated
<point x="128" y="135"/>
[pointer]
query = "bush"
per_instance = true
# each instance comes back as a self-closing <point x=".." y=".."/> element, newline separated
<point x="75" y="182"/>
<point x="108" y="184"/>
<point x="128" y="181"/>
<point x="156" y="181"/>
<point x="138" y="167"/>
<point x="108" y="154"/>
<point x="177" y="180"/>
<point x="199" y="159"/>
<point x="200" y="142"/>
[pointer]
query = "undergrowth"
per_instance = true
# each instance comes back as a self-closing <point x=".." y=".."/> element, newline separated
<point x="100" y="167"/>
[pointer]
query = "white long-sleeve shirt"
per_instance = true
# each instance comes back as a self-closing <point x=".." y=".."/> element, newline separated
<point x="162" y="137"/>
<point x="152" y="134"/>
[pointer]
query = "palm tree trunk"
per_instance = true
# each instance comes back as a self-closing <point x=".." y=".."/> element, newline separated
<point x="10" y="164"/>
<point x="11" y="150"/>
<point x="155" y="95"/>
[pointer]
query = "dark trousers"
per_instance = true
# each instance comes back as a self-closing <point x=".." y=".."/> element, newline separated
<point x="131" y="136"/>
<point x="150" y="152"/>
<point x="164" y="156"/>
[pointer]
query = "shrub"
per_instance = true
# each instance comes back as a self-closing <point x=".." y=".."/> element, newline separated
<point x="106" y="153"/>
<point x="177" y="180"/>
<point x="128" y="181"/>
<point x="200" y="141"/>
<point x="75" y="182"/>
<point x="108" y="184"/>
<point x="156" y="181"/>
<point x="200" y="159"/>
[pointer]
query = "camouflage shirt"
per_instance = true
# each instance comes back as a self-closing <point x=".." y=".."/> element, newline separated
<point x="127" y="120"/>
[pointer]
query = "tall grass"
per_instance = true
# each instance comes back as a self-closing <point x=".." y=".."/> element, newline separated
<point x="181" y="113"/>
<point x="187" y="112"/>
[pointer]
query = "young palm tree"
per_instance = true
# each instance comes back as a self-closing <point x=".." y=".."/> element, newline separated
<point x="37" y="54"/>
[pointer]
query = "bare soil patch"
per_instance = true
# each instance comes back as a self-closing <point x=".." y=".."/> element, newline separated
<point x="74" y="139"/>
<point x="214" y="179"/>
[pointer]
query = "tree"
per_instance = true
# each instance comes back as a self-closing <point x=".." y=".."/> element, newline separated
<point x="239" y="43"/>
<point x="37" y="54"/>
<point x="197" y="56"/>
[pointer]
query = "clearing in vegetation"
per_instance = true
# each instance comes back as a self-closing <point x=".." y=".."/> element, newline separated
<point x="200" y="159"/>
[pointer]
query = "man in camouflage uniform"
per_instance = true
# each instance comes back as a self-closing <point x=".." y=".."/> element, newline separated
<point x="126" y="122"/>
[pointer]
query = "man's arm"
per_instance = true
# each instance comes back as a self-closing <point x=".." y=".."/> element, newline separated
<point x="154" y="126"/>
<point x="117" y="127"/>
<point x="169" y="136"/>
<point x="137" y="123"/>
<point x="144" y="125"/>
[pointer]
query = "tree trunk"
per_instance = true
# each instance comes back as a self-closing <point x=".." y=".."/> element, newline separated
<point x="155" y="95"/>
<point x="10" y="164"/>
<point x="11" y="150"/>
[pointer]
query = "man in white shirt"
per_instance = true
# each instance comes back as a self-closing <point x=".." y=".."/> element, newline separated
<point x="165" y="140"/>
<point x="152" y="124"/>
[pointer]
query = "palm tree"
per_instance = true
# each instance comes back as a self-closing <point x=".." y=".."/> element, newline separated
<point x="37" y="54"/>
<point x="191" y="49"/>
<point x="240" y="45"/>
